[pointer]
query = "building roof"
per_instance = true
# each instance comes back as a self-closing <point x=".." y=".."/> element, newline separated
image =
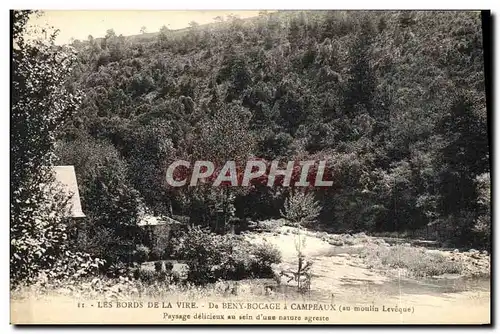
<point x="66" y="177"/>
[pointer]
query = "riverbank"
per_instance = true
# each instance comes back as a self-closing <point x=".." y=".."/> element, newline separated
<point x="363" y="270"/>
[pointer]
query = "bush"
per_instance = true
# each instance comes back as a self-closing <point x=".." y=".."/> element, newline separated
<point x="418" y="261"/>
<point x="270" y="225"/>
<point x="156" y="254"/>
<point x="238" y="263"/>
<point x="169" y="266"/>
<point x="198" y="248"/>
<point x="38" y="229"/>
<point x="145" y="275"/>
<point x="39" y="240"/>
<point x="301" y="209"/>
<point x="159" y="267"/>
<point x="265" y="255"/>
<point x="118" y="269"/>
<point x="161" y="271"/>
<point x="141" y="254"/>
<point x="74" y="265"/>
<point x="211" y="256"/>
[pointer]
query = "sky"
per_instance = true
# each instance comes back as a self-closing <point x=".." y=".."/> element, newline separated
<point x="81" y="24"/>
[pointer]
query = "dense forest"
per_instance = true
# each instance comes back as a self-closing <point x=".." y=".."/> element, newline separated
<point x="393" y="101"/>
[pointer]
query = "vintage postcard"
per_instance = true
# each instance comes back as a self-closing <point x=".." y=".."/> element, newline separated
<point x="250" y="167"/>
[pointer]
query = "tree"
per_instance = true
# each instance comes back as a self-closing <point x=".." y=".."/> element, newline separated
<point x="360" y="90"/>
<point x="223" y="136"/>
<point x="109" y="200"/>
<point x="482" y="226"/>
<point x="41" y="103"/>
<point x="110" y="34"/>
<point x="463" y="157"/>
<point x="163" y="36"/>
<point x="143" y="30"/>
<point x="219" y="19"/>
<point x="301" y="209"/>
<point x="368" y="91"/>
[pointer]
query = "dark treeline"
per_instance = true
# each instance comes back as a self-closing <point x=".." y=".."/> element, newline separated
<point x="393" y="100"/>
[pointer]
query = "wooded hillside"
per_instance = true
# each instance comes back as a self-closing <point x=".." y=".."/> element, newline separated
<point x="395" y="101"/>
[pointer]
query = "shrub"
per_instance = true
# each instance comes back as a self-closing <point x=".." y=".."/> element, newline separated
<point x="36" y="237"/>
<point x="111" y="203"/>
<point x="482" y="227"/>
<point x="118" y="269"/>
<point x="418" y="261"/>
<point x="198" y="248"/>
<point x="38" y="229"/>
<point x="265" y="255"/>
<point x="169" y="266"/>
<point x="74" y="265"/>
<point x="301" y="209"/>
<point x="145" y="275"/>
<point x="141" y="253"/>
<point x="156" y="254"/>
<point x="270" y="225"/>
<point x="159" y="267"/>
<point x="39" y="244"/>
<point x="180" y="272"/>
<point x="211" y="256"/>
<point x="237" y="264"/>
<point x="160" y="271"/>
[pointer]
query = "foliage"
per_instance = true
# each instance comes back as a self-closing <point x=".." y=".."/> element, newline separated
<point x="483" y="223"/>
<point x="211" y="256"/>
<point x="141" y="254"/>
<point x="41" y="102"/>
<point x="48" y="251"/>
<point x="418" y="261"/>
<point x="75" y="265"/>
<point x="135" y="289"/>
<point x="271" y="225"/>
<point x="159" y="266"/>
<point x="117" y="269"/>
<point x="394" y="101"/>
<point x="301" y="208"/>
<point x="145" y="275"/>
<point x="266" y="254"/>
<point x="111" y="204"/>
<point x="161" y="242"/>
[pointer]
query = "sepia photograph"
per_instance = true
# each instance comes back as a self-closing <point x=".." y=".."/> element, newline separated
<point x="293" y="167"/>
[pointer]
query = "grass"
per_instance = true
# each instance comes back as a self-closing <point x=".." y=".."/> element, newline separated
<point x="99" y="288"/>
<point x="418" y="261"/>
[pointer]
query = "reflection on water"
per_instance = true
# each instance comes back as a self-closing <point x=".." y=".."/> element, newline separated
<point x="423" y="286"/>
<point x="430" y="286"/>
<point x="328" y="284"/>
<point x="357" y="289"/>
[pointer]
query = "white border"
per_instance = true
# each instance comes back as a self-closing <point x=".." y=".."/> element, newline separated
<point x="254" y="4"/>
<point x="194" y="4"/>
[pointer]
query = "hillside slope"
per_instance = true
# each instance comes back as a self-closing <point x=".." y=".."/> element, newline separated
<point x="393" y="100"/>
